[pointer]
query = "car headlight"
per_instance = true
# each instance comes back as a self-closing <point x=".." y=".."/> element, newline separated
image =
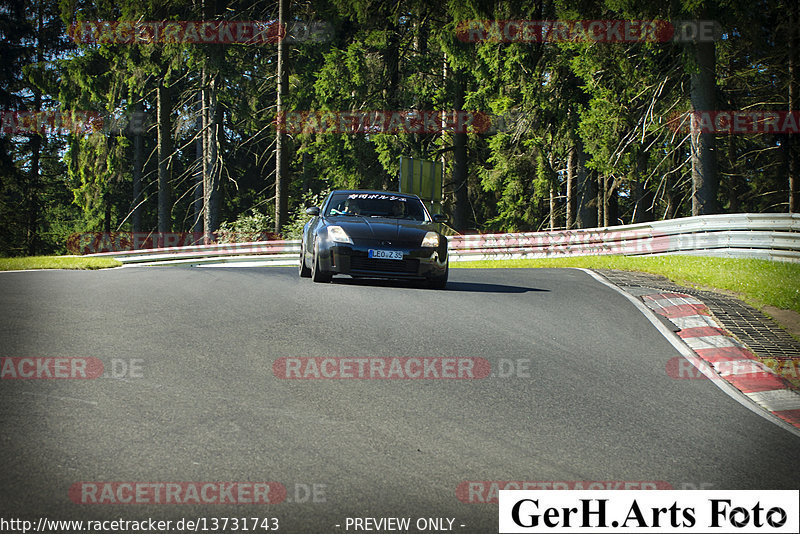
<point x="338" y="235"/>
<point x="431" y="239"/>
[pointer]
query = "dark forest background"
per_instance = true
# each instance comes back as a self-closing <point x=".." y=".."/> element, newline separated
<point x="587" y="141"/>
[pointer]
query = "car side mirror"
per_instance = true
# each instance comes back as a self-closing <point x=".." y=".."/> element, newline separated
<point x="440" y="218"/>
<point x="312" y="211"/>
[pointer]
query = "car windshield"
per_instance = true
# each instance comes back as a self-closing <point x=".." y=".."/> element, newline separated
<point x="377" y="205"/>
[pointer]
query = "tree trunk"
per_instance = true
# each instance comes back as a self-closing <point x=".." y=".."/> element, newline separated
<point x="306" y="162"/>
<point x="643" y="203"/>
<point x="281" y="156"/>
<point x="138" y="158"/>
<point x="671" y="209"/>
<point x="601" y="200"/>
<point x="207" y="185"/>
<point x="553" y="203"/>
<point x="644" y="198"/>
<point x="570" y="222"/>
<point x="164" y="153"/>
<point x="587" y="190"/>
<point x="216" y="154"/>
<point x="421" y="33"/>
<point x="459" y="158"/>
<point x="611" y="211"/>
<point x="733" y="179"/>
<point x="34" y="180"/>
<point x="391" y="65"/>
<point x="211" y="167"/>
<point x="792" y="144"/>
<point x="391" y="74"/>
<point x="705" y="180"/>
<point x="107" y="212"/>
<point x="669" y="197"/>
<point x="32" y="194"/>
<point x="637" y="195"/>
<point x="197" y="204"/>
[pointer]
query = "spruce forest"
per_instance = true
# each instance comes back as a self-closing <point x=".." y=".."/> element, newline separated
<point x="585" y="132"/>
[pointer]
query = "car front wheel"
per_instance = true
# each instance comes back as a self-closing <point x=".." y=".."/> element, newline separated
<point x="317" y="274"/>
<point x="304" y="271"/>
<point x="439" y="282"/>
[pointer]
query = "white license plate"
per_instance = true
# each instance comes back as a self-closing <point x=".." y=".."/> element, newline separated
<point x="386" y="254"/>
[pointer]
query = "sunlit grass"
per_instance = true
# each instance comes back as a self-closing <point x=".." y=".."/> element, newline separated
<point x="56" y="262"/>
<point x="759" y="282"/>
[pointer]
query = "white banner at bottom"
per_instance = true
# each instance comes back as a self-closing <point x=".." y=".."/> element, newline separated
<point x="667" y="511"/>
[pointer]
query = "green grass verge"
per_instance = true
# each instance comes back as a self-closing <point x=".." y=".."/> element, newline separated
<point x="758" y="282"/>
<point x="56" y="262"/>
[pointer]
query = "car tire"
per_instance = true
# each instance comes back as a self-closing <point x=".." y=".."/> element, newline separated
<point x="439" y="282"/>
<point x="317" y="274"/>
<point x="304" y="271"/>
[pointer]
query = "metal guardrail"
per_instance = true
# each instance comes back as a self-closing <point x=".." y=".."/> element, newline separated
<point x="769" y="236"/>
<point x="276" y="252"/>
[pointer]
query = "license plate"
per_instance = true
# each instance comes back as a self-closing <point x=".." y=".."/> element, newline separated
<point x="386" y="254"/>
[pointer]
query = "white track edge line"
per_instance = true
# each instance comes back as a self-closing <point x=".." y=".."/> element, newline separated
<point x="695" y="360"/>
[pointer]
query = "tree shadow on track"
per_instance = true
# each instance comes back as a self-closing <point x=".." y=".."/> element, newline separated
<point x="471" y="287"/>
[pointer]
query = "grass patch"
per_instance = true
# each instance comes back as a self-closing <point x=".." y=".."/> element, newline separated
<point x="758" y="282"/>
<point x="56" y="262"/>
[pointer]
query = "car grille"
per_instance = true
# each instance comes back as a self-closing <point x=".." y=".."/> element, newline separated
<point x="407" y="266"/>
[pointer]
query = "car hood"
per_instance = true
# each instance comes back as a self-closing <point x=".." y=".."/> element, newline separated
<point x="358" y="227"/>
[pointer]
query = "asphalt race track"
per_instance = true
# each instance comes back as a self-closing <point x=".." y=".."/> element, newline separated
<point x="190" y="395"/>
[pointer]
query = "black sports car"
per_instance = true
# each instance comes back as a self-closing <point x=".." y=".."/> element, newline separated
<point x="376" y="234"/>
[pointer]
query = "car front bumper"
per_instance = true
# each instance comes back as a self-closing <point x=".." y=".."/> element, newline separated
<point x="417" y="263"/>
